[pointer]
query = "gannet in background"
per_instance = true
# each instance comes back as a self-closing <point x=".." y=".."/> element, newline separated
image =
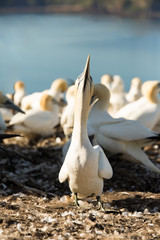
<point x="146" y="109"/>
<point x="127" y="137"/>
<point x="135" y="90"/>
<point x="41" y="122"/>
<point x="16" y="98"/>
<point x="67" y="117"/>
<point x="19" y="92"/>
<point x="84" y="166"/>
<point x="57" y="90"/>
<point x="117" y="99"/>
<point x="107" y="80"/>
<point x="6" y="103"/>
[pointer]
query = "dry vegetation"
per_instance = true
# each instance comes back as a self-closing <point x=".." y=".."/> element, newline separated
<point x="34" y="205"/>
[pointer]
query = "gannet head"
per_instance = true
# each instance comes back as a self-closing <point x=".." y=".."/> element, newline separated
<point x="84" y="84"/>
<point x="117" y="85"/>
<point x="59" y="85"/>
<point x="46" y="102"/>
<point x="101" y="93"/>
<point x="70" y="92"/>
<point x="151" y="89"/>
<point x="5" y="102"/>
<point x="19" y="85"/>
<point x="107" y="80"/>
<point x="136" y="83"/>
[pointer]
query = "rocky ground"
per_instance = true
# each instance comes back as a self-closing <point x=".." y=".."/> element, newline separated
<point x="34" y="205"/>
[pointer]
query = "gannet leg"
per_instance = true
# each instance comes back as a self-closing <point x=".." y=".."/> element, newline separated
<point x="100" y="205"/>
<point x="76" y="200"/>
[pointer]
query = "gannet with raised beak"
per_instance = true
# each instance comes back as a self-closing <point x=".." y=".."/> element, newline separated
<point x="84" y="166"/>
<point x="127" y="137"/>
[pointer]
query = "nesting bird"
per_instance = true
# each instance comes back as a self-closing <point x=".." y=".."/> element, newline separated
<point x="147" y="108"/>
<point x="107" y="80"/>
<point x="123" y="136"/>
<point x="57" y="89"/>
<point x="84" y="166"/>
<point x="135" y="90"/>
<point x="118" y="98"/>
<point x="41" y="122"/>
<point x="19" y="92"/>
<point x="6" y="103"/>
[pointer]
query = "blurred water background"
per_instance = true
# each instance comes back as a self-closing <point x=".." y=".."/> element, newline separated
<point x="38" y="48"/>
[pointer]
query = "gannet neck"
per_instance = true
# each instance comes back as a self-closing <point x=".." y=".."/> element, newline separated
<point x="83" y="94"/>
<point x="80" y="119"/>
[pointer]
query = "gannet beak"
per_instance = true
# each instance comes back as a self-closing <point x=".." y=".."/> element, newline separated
<point x="86" y="71"/>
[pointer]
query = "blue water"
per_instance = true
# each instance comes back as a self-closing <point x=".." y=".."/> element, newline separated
<point x="40" y="48"/>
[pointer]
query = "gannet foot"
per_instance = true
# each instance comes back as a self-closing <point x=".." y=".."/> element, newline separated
<point x="100" y="205"/>
<point x="76" y="200"/>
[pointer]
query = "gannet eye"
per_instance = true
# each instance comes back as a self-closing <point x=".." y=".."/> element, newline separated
<point x="78" y="80"/>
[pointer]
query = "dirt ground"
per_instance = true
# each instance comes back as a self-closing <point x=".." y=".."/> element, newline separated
<point x="34" y="205"/>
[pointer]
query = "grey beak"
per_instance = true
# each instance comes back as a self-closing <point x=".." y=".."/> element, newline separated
<point x="86" y="71"/>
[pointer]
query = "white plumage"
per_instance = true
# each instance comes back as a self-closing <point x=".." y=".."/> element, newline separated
<point x="84" y="166"/>
<point x="6" y="104"/>
<point x="123" y="136"/>
<point x="146" y="109"/>
<point x="118" y="98"/>
<point x="67" y="117"/>
<point x="19" y="93"/>
<point x="38" y="122"/>
<point x="32" y="101"/>
<point x="135" y="90"/>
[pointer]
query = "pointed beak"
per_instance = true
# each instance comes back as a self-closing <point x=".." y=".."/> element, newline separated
<point x="86" y="71"/>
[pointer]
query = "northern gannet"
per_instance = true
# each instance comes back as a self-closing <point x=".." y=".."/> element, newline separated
<point x="6" y="103"/>
<point x="67" y="117"/>
<point x="16" y="98"/>
<point x="135" y="90"/>
<point x="107" y="80"/>
<point x="117" y="99"/>
<point x="84" y="166"/>
<point x="19" y="92"/>
<point x="40" y="122"/>
<point x="57" y="90"/>
<point x="119" y="135"/>
<point x="146" y="109"/>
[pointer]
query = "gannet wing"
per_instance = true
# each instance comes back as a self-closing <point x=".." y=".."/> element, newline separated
<point x="63" y="174"/>
<point x="104" y="167"/>
<point x="127" y="130"/>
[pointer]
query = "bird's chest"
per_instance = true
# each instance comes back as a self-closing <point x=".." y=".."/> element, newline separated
<point x="82" y="163"/>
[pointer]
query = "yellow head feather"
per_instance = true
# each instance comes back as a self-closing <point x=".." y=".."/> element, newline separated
<point x="150" y="90"/>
